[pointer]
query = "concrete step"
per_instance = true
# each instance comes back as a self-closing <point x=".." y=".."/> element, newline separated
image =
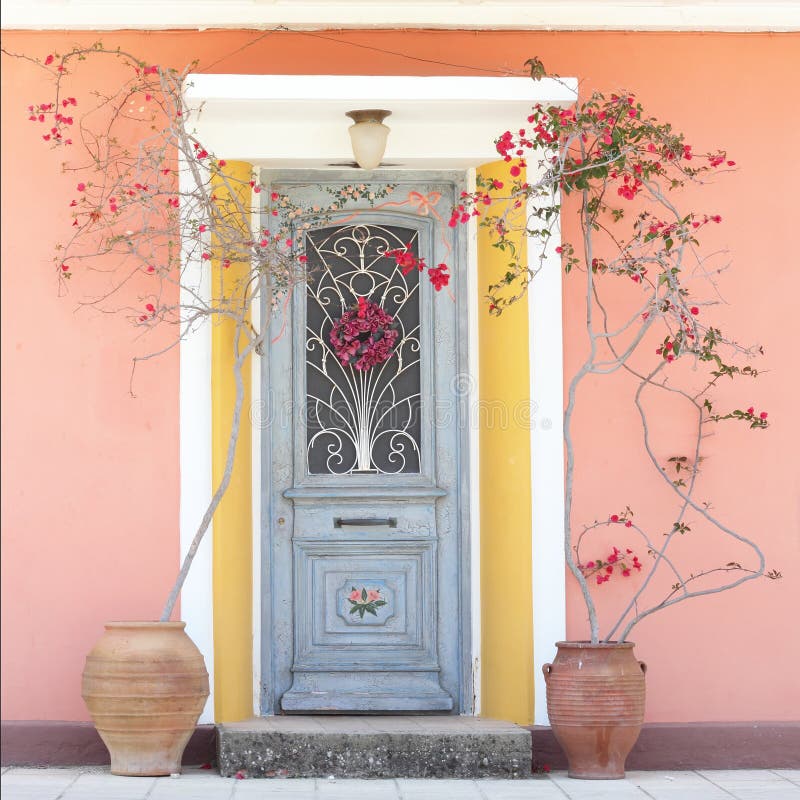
<point x="374" y="747"/>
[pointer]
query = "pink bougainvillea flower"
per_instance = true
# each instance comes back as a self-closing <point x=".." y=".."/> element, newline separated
<point x="763" y="415"/>
<point x="364" y="336"/>
<point x="49" y="60"/>
<point x="439" y="276"/>
<point x="150" y="307"/>
<point x="222" y="162"/>
<point x="515" y="171"/>
<point x="614" y="517"/>
<point x="206" y="256"/>
<point x="751" y="410"/>
<point x="694" y="310"/>
<point x="81" y="187"/>
<point x="202" y="228"/>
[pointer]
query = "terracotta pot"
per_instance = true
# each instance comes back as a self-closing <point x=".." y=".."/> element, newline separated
<point x="595" y="700"/>
<point x="145" y="685"/>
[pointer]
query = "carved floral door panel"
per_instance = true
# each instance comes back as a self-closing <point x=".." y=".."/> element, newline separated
<point x="364" y="508"/>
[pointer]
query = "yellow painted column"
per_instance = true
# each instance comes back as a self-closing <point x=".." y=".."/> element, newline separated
<point x="505" y="493"/>
<point x="233" y="524"/>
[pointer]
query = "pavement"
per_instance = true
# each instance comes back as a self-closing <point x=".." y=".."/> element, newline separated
<point x="95" y="783"/>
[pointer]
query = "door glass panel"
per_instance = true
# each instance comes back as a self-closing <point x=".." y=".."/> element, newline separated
<point x="362" y="418"/>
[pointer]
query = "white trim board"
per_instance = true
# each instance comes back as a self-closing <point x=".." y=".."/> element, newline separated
<point x="239" y="101"/>
<point x="298" y="121"/>
<point x="645" y="15"/>
<point x="545" y="336"/>
<point x="195" y="466"/>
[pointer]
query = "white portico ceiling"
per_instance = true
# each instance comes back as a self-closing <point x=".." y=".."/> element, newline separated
<point x="678" y="15"/>
<point x="299" y="120"/>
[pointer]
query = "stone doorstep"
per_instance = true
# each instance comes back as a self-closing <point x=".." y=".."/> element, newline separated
<point x="374" y="747"/>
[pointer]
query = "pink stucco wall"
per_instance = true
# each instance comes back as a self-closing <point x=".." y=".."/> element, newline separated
<point x="90" y="478"/>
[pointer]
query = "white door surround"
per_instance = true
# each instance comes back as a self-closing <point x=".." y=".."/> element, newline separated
<point x="281" y="121"/>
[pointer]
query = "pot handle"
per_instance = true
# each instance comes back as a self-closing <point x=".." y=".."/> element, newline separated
<point x="644" y="667"/>
<point x="547" y="669"/>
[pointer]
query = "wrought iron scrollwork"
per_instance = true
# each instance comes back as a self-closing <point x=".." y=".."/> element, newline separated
<point x="361" y="421"/>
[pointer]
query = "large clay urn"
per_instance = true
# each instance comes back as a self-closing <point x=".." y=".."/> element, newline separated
<point x="595" y="700"/>
<point x="145" y="685"/>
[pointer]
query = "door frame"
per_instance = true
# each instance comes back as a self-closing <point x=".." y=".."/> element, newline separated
<point x="466" y="378"/>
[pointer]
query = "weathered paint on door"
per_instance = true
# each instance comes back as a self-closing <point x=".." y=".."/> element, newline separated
<point x="365" y="592"/>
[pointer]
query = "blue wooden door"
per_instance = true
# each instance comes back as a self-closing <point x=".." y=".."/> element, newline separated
<point x="366" y="593"/>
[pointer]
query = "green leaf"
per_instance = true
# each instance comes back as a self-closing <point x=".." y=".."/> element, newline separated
<point x="379" y="603"/>
<point x="354" y="608"/>
<point x="363" y="594"/>
<point x="372" y="611"/>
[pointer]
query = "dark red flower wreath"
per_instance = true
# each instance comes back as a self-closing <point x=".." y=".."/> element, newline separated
<point x="364" y="336"/>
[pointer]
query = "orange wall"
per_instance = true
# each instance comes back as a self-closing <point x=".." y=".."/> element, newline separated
<point x="90" y="479"/>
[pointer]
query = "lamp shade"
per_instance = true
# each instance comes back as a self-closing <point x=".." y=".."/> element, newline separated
<point x="368" y="136"/>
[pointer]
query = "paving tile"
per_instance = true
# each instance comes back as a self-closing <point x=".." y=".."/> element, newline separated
<point x="531" y="789"/>
<point x="31" y="793"/>
<point x="275" y="787"/>
<point x="421" y="789"/>
<point x="116" y="787"/>
<point x="768" y="790"/>
<point x="351" y="789"/>
<point x="790" y="774"/>
<point x="17" y="775"/>
<point x="208" y="793"/>
<point x="198" y="786"/>
<point x="719" y="776"/>
<point x="765" y="791"/>
<point x="597" y="790"/>
<point x="685" y="792"/>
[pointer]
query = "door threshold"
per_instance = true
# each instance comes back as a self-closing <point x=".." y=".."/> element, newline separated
<point x="374" y="746"/>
